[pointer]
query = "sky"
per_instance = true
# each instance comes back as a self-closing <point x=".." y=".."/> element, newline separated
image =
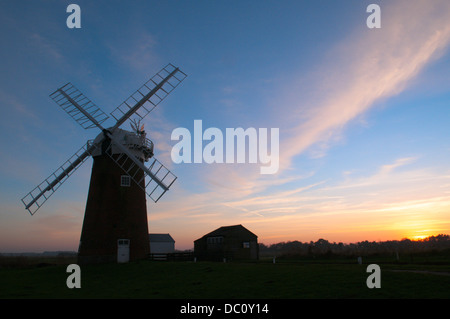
<point x="363" y="114"/>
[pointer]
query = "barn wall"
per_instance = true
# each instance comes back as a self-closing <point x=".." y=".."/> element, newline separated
<point x="231" y="247"/>
<point x="162" y="247"/>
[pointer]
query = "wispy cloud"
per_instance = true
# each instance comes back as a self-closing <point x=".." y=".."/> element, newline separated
<point x="386" y="169"/>
<point x="46" y="47"/>
<point x="137" y="51"/>
<point x="396" y="199"/>
<point x="364" y="69"/>
<point x="369" y="66"/>
<point x="11" y="102"/>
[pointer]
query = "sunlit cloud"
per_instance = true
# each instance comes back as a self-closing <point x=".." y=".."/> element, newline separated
<point x="366" y="68"/>
<point x="353" y="78"/>
<point x="377" y="203"/>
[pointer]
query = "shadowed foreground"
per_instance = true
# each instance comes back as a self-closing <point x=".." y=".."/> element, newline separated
<point x="189" y="280"/>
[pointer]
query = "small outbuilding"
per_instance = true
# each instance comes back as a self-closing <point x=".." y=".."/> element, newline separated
<point x="161" y="244"/>
<point x="231" y="242"/>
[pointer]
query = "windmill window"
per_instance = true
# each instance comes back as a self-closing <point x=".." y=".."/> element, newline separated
<point x="125" y="181"/>
<point x="245" y="244"/>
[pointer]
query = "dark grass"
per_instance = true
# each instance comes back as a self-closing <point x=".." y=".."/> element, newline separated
<point x="208" y="280"/>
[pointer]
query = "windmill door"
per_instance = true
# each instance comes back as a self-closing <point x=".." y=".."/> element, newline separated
<point x="123" y="250"/>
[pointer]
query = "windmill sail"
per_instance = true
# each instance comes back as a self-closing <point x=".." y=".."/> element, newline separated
<point x="161" y="173"/>
<point x="159" y="180"/>
<point x="71" y="100"/>
<point x="37" y="197"/>
<point x="149" y="95"/>
<point x="88" y="115"/>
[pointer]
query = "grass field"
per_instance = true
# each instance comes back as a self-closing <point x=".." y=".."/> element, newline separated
<point x="189" y="280"/>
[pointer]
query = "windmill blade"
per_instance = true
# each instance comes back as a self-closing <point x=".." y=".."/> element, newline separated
<point x="149" y="95"/>
<point x="39" y="195"/>
<point x="161" y="173"/>
<point x="78" y="106"/>
<point x="160" y="178"/>
<point x="155" y="179"/>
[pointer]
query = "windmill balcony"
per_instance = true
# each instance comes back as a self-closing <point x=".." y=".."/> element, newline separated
<point x="144" y="145"/>
<point x="141" y="146"/>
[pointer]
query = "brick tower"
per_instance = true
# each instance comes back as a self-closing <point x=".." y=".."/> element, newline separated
<point x="116" y="207"/>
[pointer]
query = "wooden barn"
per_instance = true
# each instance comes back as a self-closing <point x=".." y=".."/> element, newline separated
<point x="230" y="242"/>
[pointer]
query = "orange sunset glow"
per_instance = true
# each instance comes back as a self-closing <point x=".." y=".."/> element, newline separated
<point x="362" y="115"/>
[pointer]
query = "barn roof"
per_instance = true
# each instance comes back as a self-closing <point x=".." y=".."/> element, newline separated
<point x="229" y="231"/>
<point x="159" y="238"/>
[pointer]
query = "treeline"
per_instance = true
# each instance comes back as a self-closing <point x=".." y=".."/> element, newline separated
<point x="324" y="248"/>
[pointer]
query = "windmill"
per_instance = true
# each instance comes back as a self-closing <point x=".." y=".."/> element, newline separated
<point x="124" y="170"/>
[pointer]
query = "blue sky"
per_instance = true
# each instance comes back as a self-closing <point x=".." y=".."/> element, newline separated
<point x="363" y="114"/>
